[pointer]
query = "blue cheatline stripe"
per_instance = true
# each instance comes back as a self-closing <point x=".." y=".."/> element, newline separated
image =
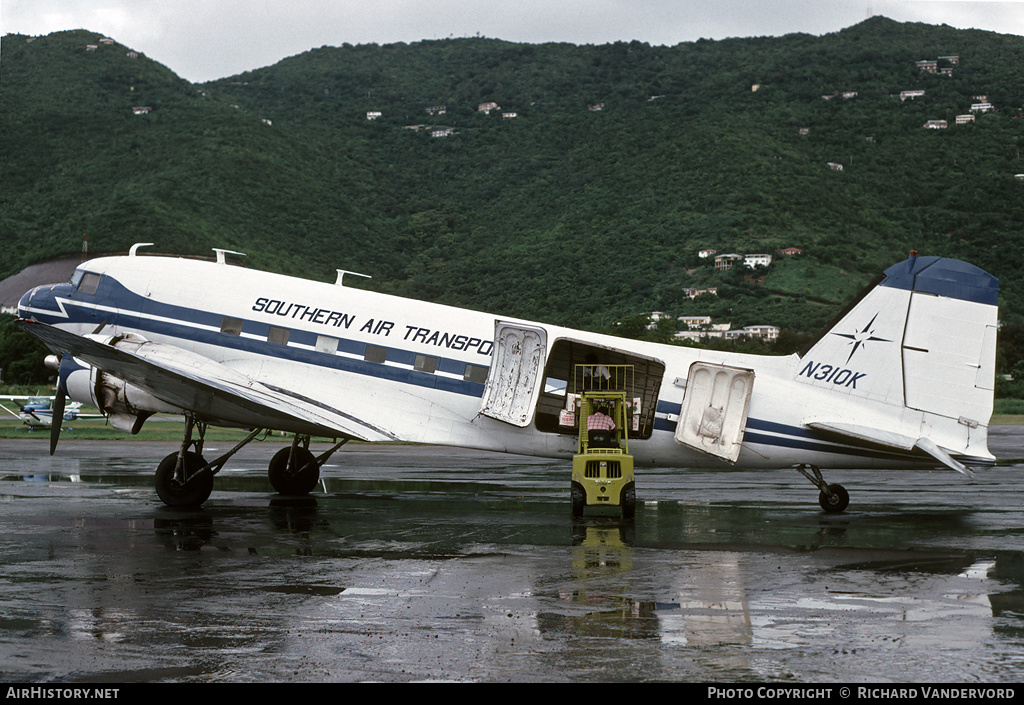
<point x="142" y="314"/>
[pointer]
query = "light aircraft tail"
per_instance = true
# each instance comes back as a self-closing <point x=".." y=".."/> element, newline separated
<point x="914" y="361"/>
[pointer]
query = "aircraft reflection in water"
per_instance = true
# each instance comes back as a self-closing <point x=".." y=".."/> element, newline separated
<point x="768" y="600"/>
<point x="904" y="378"/>
<point x="421" y="569"/>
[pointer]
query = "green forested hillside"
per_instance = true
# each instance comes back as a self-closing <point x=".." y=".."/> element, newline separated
<point x="565" y="212"/>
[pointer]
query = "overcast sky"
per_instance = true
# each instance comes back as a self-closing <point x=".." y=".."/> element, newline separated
<point x="201" y="40"/>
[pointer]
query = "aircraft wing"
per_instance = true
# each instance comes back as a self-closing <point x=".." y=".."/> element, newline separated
<point x="222" y="396"/>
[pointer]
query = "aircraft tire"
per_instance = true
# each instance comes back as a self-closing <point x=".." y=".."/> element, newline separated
<point x="835" y="500"/>
<point x="194" y="491"/>
<point x="287" y="480"/>
<point x="578" y="499"/>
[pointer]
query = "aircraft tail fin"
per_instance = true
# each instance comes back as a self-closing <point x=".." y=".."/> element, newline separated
<point x="922" y="340"/>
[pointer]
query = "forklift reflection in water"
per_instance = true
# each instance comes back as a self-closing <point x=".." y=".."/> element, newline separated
<point x="602" y="468"/>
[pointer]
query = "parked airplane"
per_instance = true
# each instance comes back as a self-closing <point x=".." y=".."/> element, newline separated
<point x="37" y="412"/>
<point x="903" y="378"/>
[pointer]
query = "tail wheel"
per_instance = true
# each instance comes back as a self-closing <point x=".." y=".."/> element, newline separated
<point x="834" y="499"/>
<point x="298" y="477"/>
<point x="192" y="489"/>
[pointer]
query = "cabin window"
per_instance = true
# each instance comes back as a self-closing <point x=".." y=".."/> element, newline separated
<point x="475" y="373"/>
<point x="89" y="283"/>
<point x="326" y="344"/>
<point x="231" y="326"/>
<point x="375" y="353"/>
<point x="424" y="363"/>
<point x="278" y="335"/>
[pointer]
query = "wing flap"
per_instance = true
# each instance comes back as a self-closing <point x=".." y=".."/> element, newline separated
<point x="212" y="391"/>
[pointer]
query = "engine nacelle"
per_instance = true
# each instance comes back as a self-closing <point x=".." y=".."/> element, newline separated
<point x="125" y="405"/>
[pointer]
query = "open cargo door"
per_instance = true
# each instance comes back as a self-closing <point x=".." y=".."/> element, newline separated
<point x="714" y="412"/>
<point x="514" y="381"/>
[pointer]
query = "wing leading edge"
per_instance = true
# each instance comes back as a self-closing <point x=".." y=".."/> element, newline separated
<point x="207" y="389"/>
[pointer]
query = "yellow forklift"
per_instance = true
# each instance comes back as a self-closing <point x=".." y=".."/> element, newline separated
<point x="602" y="468"/>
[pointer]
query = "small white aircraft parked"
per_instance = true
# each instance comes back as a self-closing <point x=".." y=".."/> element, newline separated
<point x="903" y="378"/>
<point x="37" y="411"/>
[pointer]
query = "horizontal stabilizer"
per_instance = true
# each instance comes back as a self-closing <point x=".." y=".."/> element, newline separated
<point x="865" y="433"/>
<point x="892" y="440"/>
<point x="929" y="447"/>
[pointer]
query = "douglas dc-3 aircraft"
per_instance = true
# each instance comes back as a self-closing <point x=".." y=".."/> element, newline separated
<point x="903" y="378"/>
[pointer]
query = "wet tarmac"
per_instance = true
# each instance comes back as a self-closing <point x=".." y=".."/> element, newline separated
<point x="433" y="564"/>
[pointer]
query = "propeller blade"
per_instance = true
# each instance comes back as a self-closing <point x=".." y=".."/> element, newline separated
<point x="57" y="418"/>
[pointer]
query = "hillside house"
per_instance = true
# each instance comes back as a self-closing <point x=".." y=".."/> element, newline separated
<point x="762" y="332"/>
<point x="445" y="132"/>
<point x="595" y="107"/>
<point x="486" y="108"/>
<point x="723" y="262"/>
<point x="695" y="322"/>
<point x="142" y="110"/>
<point x="953" y="59"/>
<point x="790" y="251"/>
<point x="835" y="166"/>
<point x="704" y="254"/>
<point x="928" y="65"/>
<point x="752" y="261"/>
<point x="91" y="47"/>
<point x="936" y="125"/>
<point x="373" y="115"/>
<point x="964" y="119"/>
<point x="437" y="109"/>
<point x="904" y="95"/>
<point x="509" y="116"/>
<point x="981" y="107"/>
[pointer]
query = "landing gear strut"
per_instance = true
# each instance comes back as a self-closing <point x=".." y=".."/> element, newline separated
<point x="185" y="479"/>
<point x="833" y="498"/>
<point x="295" y="470"/>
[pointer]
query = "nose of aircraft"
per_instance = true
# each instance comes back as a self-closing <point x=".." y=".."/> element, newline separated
<point x="25" y="303"/>
<point x="41" y="300"/>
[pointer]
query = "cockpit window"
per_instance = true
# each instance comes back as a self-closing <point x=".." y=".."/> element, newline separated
<point x="88" y="283"/>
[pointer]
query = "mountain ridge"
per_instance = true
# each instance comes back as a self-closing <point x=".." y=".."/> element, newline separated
<point x="585" y="208"/>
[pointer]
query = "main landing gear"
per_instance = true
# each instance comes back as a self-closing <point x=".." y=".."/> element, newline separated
<point x="833" y="498"/>
<point x="185" y="479"/>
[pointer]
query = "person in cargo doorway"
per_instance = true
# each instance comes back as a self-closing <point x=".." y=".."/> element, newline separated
<point x="595" y="376"/>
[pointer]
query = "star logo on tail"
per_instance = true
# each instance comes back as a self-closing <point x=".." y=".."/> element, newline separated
<point x="862" y="336"/>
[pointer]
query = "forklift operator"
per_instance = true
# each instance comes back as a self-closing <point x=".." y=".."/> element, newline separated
<point x="600" y="427"/>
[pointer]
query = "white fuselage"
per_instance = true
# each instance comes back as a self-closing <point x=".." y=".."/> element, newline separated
<point x="417" y="369"/>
